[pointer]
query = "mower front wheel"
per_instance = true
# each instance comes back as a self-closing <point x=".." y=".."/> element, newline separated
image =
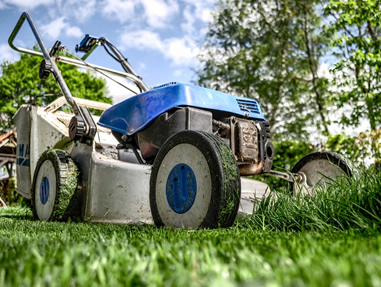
<point x="195" y="182"/>
<point x="54" y="186"/>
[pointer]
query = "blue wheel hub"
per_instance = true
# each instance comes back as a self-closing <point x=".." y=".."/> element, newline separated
<point x="44" y="190"/>
<point x="181" y="188"/>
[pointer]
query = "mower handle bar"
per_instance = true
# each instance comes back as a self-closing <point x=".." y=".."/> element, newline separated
<point x="54" y="69"/>
<point x="135" y="79"/>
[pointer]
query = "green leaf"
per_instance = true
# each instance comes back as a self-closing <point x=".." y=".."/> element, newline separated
<point x="20" y="84"/>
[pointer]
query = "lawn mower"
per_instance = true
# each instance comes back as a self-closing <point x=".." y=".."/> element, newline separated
<point x="177" y="155"/>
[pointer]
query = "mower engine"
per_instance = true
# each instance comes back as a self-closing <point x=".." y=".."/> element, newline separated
<point x="249" y="140"/>
<point x="250" y="143"/>
<point x="148" y="120"/>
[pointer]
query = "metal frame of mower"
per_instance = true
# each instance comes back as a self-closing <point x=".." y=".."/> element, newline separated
<point x="174" y="154"/>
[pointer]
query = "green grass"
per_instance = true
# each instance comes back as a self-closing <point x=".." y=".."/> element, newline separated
<point x="304" y="246"/>
<point x="346" y="204"/>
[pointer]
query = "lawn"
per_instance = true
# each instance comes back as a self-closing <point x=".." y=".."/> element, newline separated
<point x="326" y="241"/>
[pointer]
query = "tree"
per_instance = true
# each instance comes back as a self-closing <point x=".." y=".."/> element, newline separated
<point x="269" y="50"/>
<point x="20" y="84"/>
<point x="314" y="43"/>
<point x="357" y="73"/>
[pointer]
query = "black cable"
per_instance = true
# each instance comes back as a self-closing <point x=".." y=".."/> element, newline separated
<point x="111" y="55"/>
<point x="99" y="71"/>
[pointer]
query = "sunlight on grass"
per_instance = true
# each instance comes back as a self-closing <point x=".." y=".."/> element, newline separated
<point x="330" y="240"/>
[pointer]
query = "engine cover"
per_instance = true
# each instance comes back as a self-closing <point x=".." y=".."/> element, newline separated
<point x="247" y="142"/>
<point x="251" y="145"/>
<point x="169" y="123"/>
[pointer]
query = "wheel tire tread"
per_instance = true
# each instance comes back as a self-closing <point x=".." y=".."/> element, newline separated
<point x="226" y="201"/>
<point x="66" y="183"/>
<point x="232" y="195"/>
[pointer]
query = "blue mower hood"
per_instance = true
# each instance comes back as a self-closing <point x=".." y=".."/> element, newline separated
<point x="135" y="113"/>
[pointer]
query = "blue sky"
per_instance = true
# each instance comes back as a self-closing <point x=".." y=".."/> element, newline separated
<point x="160" y="38"/>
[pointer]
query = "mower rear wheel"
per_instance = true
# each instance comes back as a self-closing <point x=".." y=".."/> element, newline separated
<point x="195" y="182"/>
<point x="318" y="169"/>
<point x="54" y="185"/>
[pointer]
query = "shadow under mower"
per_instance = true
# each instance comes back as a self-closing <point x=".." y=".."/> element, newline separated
<point x="175" y="155"/>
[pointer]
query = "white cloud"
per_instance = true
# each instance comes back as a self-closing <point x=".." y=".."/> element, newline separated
<point x="74" y="32"/>
<point x="142" y="66"/>
<point x="149" y="23"/>
<point x="80" y="10"/>
<point x="155" y="13"/>
<point x="181" y="51"/>
<point x="178" y="73"/>
<point x="6" y="53"/>
<point x="25" y="4"/>
<point x="143" y="39"/>
<point x="54" y="29"/>
<point x="203" y="9"/>
<point x="188" y="25"/>
<point x="122" y="10"/>
<point x="159" y="12"/>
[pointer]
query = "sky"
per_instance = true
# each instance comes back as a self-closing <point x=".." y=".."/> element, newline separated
<point x="160" y="38"/>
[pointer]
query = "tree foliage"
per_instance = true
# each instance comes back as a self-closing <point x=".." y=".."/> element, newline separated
<point x="356" y="148"/>
<point x="269" y="50"/>
<point x="358" y="70"/>
<point x="273" y="50"/>
<point x="20" y="84"/>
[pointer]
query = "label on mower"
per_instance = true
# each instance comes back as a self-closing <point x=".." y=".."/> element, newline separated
<point x="23" y="155"/>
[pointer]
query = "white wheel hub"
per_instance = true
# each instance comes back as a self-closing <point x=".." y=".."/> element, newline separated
<point x="46" y="190"/>
<point x="183" y="167"/>
<point x="316" y="173"/>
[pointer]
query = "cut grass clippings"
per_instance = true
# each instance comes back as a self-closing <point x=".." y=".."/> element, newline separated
<point x="288" y="242"/>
